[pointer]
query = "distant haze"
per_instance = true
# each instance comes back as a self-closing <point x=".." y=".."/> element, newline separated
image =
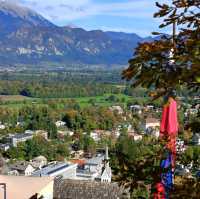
<point x="109" y="15"/>
<point x="29" y="39"/>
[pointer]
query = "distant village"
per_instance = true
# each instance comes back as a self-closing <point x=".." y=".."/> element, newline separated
<point x="82" y="166"/>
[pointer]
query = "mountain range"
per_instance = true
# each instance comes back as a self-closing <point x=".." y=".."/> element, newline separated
<point x="27" y="38"/>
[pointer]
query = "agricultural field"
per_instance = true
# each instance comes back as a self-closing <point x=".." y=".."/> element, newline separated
<point x="13" y="98"/>
<point x="17" y="101"/>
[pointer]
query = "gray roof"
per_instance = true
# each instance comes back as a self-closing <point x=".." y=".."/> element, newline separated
<point x="4" y="145"/>
<point x="76" y="189"/>
<point x="19" y="166"/>
<point x="22" y="135"/>
<point x="50" y="169"/>
<point x="95" y="160"/>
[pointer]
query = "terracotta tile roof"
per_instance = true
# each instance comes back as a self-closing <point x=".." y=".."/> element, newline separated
<point x="80" y="162"/>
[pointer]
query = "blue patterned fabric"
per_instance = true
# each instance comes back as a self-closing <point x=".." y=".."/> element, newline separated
<point x="167" y="174"/>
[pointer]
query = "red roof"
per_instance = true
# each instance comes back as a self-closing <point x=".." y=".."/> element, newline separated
<point x="80" y="162"/>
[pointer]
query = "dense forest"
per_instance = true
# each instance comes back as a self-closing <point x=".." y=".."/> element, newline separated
<point x="66" y="84"/>
<point x="69" y="84"/>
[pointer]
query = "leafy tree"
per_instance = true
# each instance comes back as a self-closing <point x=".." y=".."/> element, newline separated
<point x="167" y="63"/>
<point x="63" y="149"/>
<point x="113" y="98"/>
<point x="89" y="144"/>
<point x="136" y="164"/>
<point x="52" y="150"/>
<point x="17" y="152"/>
<point x="153" y="67"/>
<point x="192" y="154"/>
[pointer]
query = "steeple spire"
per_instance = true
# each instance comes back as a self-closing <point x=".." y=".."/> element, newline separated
<point x="106" y="154"/>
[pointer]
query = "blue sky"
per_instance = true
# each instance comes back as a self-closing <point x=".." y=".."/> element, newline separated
<point x="117" y="15"/>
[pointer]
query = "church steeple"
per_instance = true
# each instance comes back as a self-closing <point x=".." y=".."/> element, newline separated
<point x="106" y="154"/>
<point x="106" y="174"/>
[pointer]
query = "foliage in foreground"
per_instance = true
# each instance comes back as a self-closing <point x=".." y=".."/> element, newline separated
<point x="155" y="65"/>
<point x="137" y="165"/>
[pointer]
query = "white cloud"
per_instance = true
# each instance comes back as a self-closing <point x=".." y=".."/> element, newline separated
<point x="63" y="12"/>
<point x="11" y="1"/>
<point x="69" y="10"/>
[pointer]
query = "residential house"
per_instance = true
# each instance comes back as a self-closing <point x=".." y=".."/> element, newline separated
<point x="196" y="139"/>
<point x="151" y="126"/>
<point x="118" y="109"/>
<point x="96" y="135"/>
<point x="13" y="173"/>
<point x="20" y="124"/>
<point x="136" y="109"/>
<point x="135" y="136"/>
<point x="76" y="154"/>
<point x="80" y="162"/>
<point x="62" y="134"/>
<point x="29" y="132"/>
<point x="180" y="146"/>
<point x="116" y="133"/>
<point x="150" y="107"/>
<point x="60" y="123"/>
<point x="130" y="128"/>
<point x="17" y="138"/>
<point x="4" y="147"/>
<point x="151" y="122"/>
<point x="22" y="167"/>
<point x="42" y="133"/>
<point x="2" y="126"/>
<point x="191" y="111"/>
<point x="39" y="162"/>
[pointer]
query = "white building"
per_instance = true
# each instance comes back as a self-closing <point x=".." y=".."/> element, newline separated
<point x="118" y="109"/>
<point x="22" y="167"/>
<point x="60" y="123"/>
<point x="66" y="170"/>
<point x="17" y="138"/>
<point x="42" y="133"/>
<point x="151" y="126"/>
<point x="106" y="175"/>
<point x="151" y="122"/>
<point x="96" y="169"/>
<point x="150" y="107"/>
<point x="135" y="136"/>
<point x="39" y="162"/>
<point x="94" y="164"/>
<point x="136" y="109"/>
<point x="180" y="146"/>
<point x="29" y="132"/>
<point x="65" y="133"/>
<point x="4" y="147"/>
<point x="196" y="139"/>
<point x="95" y="135"/>
<point x="2" y="126"/>
<point x="116" y="133"/>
